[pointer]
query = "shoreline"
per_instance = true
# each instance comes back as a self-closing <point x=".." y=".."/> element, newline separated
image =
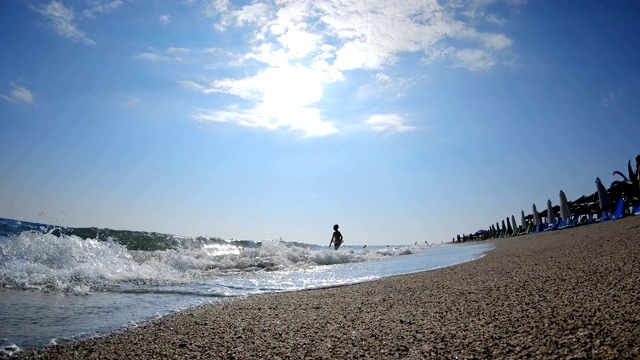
<point x="572" y="292"/>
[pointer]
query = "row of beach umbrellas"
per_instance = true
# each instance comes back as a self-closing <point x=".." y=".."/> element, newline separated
<point x="587" y="204"/>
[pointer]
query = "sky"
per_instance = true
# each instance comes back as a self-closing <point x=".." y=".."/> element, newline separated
<point x="401" y="121"/>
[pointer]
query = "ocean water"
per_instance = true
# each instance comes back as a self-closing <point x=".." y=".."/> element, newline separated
<point x="64" y="284"/>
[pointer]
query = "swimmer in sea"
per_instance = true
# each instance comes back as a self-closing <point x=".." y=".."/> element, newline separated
<point x="336" y="238"/>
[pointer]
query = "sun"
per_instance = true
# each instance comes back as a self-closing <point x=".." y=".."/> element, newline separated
<point x="290" y="87"/>
<point x="288" y="96"/>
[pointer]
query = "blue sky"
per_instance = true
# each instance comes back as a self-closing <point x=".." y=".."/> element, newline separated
<point x="401" y="121"/>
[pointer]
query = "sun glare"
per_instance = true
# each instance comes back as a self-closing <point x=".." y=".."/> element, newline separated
<point x="288" y="93"/>
<point x="290" y="87"/>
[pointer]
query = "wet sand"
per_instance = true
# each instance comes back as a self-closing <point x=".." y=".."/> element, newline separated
<point x="573" y="293"/>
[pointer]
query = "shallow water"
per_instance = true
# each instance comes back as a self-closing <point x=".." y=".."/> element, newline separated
<point x="58" y="288"/>
<point x="33" y="318"/>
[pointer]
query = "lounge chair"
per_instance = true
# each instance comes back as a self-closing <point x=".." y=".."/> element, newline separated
<point x="518" y="231"/>
<point x="619" y="210"/>
<point x="567" y="223"/>
<point x="562" y="223"/>
<point x="606" y="216"/>
<point x="586" y="219"/>
<point x="573" y="222"/>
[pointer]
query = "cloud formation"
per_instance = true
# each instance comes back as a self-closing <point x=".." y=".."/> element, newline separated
<point x="151" y="56"/>
<point x="165" y="19"/>
<point x="170" y="54"/>
<point x="612" y="97"/>
<point x="19" y="94"/>
<point x="281" y="96"/>
<point x="62" y="20"/>
<point x="101" y="6"/>
<point x="388" y="123"/>
<point x="324" y="40"/>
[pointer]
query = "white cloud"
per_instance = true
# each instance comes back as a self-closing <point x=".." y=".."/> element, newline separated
<point x="132" y="102"/>
<point x="165" y="19"/>
<point x="213" y="7"/>
<point x="359" y="35"/>
<point x="101" y="6"/>
<point x="495" y="20"/>
<point x="281" y="98"/>
<point x="323" y="40"/>
<point x="473" y="59"/>
<point x="305" y="121"/>
<point x="612" y="97"/>
<point x="151" y="56"/>
<point x="496" y="41"/>
<point x="19" y="94"/>
<point x="258" y="13"/>
<point x="174" y="50"/>
<point x="388" y="123"/>
<point x="386" y="86"/>
<point x="62" y="20"/>
<point x="170" y="54"/>
<point x="194" y="86"/>
<point x="438" y="53"/>
<point x="253" y="14"/>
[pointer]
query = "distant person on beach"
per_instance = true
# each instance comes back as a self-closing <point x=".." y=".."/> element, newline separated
<point x="336" y="239"/>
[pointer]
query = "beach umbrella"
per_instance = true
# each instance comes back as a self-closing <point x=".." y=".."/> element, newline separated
<point x="565" y="211"/>
<point x="515" y="227"/>
<point x="603" y="197"/>
<point x="551" y="217"/>
<point x="509" y="228"/>
<point x="524" y="219"/>
<point x="536" y="216"/>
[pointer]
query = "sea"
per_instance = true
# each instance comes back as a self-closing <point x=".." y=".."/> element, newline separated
<point x="60" y="284"/>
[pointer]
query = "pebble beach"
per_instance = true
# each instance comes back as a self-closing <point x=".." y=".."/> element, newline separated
<point x="573" y="293"/>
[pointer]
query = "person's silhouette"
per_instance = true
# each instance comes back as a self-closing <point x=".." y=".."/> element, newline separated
<point x="336" y="239"/>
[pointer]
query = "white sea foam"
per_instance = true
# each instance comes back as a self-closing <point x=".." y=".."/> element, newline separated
<point x="71" y="264"/>
<point x="34" y="260"/>
<point x="127" y="287"/>
<point x="9" y="349"/>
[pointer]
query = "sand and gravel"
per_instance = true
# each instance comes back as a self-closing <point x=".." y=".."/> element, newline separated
<point x="573" y="293"/>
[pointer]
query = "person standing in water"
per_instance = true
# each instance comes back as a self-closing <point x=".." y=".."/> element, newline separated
<point x="336" y="239"/>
